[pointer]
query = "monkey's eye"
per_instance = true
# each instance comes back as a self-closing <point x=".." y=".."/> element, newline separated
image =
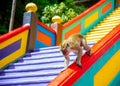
<point x="64" y="47"/>
<point x="67" y="45"/>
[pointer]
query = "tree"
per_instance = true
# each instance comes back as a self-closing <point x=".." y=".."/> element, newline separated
<point x="6" y="6"/>
<point x="66" y="10"/>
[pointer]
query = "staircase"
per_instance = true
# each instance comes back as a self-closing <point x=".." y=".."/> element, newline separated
<point x="37" y="68"/>
<point x="104" y="27"/>
<point x="43" y="65"/>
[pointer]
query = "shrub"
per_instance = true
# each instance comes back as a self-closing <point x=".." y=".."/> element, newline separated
<point x="62" y="10"/>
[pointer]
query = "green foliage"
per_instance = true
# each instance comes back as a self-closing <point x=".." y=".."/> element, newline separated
<point x="63" y="10"/>
<point x="46" y="10"/>
<point x="3" y="29"/>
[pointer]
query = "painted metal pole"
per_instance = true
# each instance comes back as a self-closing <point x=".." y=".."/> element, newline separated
<point x="12" y="15"/>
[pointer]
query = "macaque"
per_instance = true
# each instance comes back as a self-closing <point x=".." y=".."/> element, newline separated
<point x="74" y="44"/>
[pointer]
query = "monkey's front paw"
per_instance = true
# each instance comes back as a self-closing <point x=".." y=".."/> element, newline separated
<point x="63" y="69"/>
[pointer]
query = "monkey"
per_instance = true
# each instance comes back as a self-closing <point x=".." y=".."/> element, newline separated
<point x="74" y="43"/>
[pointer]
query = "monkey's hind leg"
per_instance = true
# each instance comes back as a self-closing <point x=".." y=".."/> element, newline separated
<point x="86" y="47"/>
<point x="79" y="56"/>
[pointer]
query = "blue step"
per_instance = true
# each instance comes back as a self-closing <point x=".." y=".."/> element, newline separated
<point x="36" y="68"/>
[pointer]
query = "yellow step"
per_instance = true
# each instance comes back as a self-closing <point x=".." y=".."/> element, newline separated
<point x="111" y="22"/>
<point x="100" y="28"/>
<point x="112" y="18"/>
<point x="94" y="38"/>
<point x="91" y="41"/>
<point x="95" y="35"/>
<point x="116" y="12"/>
<point x="108" y="25"/>
<point x="105" y="26"/>
<point x="99" y="31"/>
<point x="100" y="34"/>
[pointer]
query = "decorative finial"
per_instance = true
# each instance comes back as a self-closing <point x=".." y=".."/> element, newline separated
<point x="56" y="19"/>
<point x="31" y="7"/>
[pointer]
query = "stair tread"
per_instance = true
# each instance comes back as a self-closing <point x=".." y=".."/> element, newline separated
<point x="41" y="66"/>
<point x="30" y="74"/>
<point x="26" y="80"/>
<point x="42" y="61"/>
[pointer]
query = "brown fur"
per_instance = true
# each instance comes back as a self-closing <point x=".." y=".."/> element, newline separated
<point x="74" y="42"/>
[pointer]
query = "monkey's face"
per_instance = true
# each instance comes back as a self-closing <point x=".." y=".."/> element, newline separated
<point x="64" y="48"/>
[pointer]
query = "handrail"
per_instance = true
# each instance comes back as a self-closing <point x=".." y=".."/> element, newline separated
<point x="69" y="76"/>
<point x="10" y="45"/>
<point x="14" y="32"/>
<point x="46" y="36"/>
<point x="83" y="14"/>
<point x="45" y="26"/>
<point x="84" y="22"/>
